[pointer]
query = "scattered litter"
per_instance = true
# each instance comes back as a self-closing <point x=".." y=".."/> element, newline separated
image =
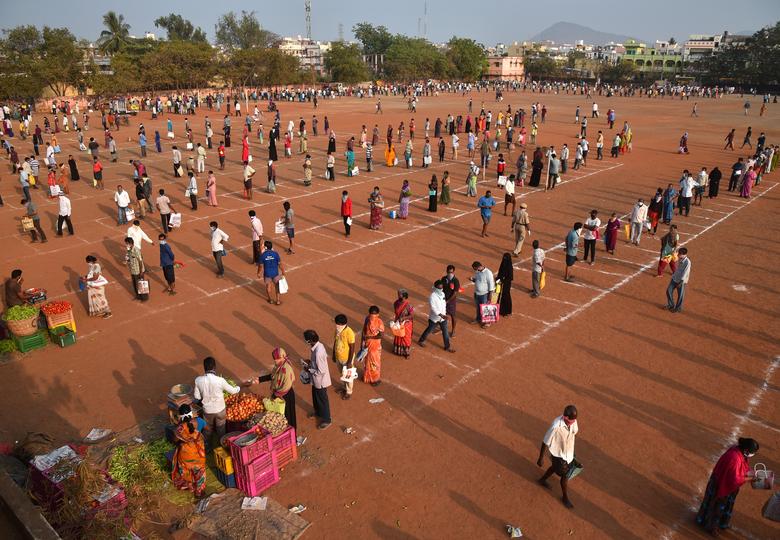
<point x="96" y="434"/>
<point x="739" y="287"/>
<point x="254" y="503"/>
<point x="204" y="503"/>
<point x="571" y="531"/>
<point x="301" y="440"/>
<point x="297" y="509"/>
<point x="514" y="532"/>
<point x="376" y="400"/>
<point x="349" y="431"/>
<point x="379" y="471"/>
<point x="139" y="440"/>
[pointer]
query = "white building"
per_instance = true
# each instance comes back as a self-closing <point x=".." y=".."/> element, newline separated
<point x="310" y="53"/>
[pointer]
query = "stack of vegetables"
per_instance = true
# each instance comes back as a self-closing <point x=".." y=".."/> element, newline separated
<point x="59" y="318"/>
<point x="242" y="406"/>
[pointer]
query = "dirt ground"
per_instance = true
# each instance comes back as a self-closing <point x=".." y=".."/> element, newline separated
<point x="660" y="395"/>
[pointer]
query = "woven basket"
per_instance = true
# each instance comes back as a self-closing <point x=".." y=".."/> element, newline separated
<point x="24" y="327"/>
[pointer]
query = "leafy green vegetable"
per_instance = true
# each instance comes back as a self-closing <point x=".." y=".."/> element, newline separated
<point x="143" y="465"/>
<point x="20" y="313"/>
<point x="7" y="346"/>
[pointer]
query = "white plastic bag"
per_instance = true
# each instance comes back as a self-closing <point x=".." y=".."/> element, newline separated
<point x="170" y="134"/>
<point x="175" y="221"/>
<point x="355" y="171"/>
<point x="279" y="227"/>
<point x="283" y="286"/>
<point x="501" y="181"/>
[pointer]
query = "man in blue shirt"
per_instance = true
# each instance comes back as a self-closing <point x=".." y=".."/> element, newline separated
<point x="142" y="143"/>
<point x="273" y="271"/>
<point x="167" y="263"/>
<point x="486" y="204"/>
<point x="572" y="243"/>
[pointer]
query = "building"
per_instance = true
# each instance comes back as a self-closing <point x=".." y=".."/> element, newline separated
<point x="700" y="46"/>
<point x="310" y="53"/>
<point x="662" y="59"/>
<point x="505" y="68"/>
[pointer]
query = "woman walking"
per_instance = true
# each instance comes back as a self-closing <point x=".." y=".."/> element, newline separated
<point x="433" y="194"/>
<point x="373" y="327"/>
<point x="96" y="289"/>
<point x="730" y="472"/>
<point x="444" y="197"/>
<point x="189" y="459"/>
<point x="404" y="199"/>
<point x="404" y="316"/>
<point x="376" y="204"/>
<point x="668" y="256"/>
<point x="74" y="170"/>
<point x="611" y="233"/>
<point x="536" y="168"/>
<point x="505" y="277"/>
<point x="655" y="209"/>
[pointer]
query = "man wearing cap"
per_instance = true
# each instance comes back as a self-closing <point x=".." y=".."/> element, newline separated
<point x="521" y="226"/>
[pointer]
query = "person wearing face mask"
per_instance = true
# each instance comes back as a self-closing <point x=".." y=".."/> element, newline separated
<point x="135" y="263"/>
<point x="346" y="212"/>
<point x="638" y="218"/>
<point x="344" y="351"/>
<point x="730" y="472"/>
<point x="167" y="263"/>
<point x="282" y="377"/>
<point x="559" y="441"/>
<point x="679" y="281"/>
<point x="218" y="236"/>
<point x="320" y="378"/>
<point x="376" y="203"/>
<point x="437" y="316"/>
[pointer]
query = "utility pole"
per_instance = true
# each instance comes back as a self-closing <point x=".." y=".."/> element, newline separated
<point x="341" y="32"/>
<point x="307" y="4"/>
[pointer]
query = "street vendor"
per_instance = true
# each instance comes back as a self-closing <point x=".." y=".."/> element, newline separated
<point x="281" y="378"/>
<point x="14" y="295"/>
<point x="189" y="459"/>
<point x="209" y="389"/>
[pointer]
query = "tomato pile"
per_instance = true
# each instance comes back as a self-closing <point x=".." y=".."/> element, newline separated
<point x="57" y="307"/>
<point x="241" y="406"/>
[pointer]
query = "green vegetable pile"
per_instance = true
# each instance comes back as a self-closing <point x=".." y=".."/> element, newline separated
<point x="20" y="313"/>
<point x="142" y="466"/>
<point x="7" y="346"/>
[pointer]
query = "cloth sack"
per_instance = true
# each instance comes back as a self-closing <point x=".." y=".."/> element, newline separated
<point x="501" y="181"/>
<point x="170" y="135"/>
<point x="279" y="227"/>
<point x="348" y="374"/>
<point x="27" y="224"/>
<point x="772" y="507"/>
<point x="543" y="280"/>
<point x="398" y="329"/>
<point x="129" y="214"/>
<point x="189" y="146"/>
<point x="355" y="171"/>
<point x="180" y="170"/>
<point x="427" y="160"/>
<point x="99" y="282"/>
<point x="54" y="190"/>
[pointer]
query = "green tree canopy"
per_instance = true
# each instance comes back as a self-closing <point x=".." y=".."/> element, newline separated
<point x="180" y="29"/>
<point x="754" y="63"/>
<point x="345" y="64"/>
<point x="116" y="35"/>
<point x="244" y="32"/>
<point x="410" y="59"/>
<point x="178" y="65"/>
<point x="261" y="67"/>
<point x="61" y="62"/>
<point x="541" y="67"/>
<point x="467" y="58"/>
<point x="375" y="39"/>
<point x="620" y="72"/>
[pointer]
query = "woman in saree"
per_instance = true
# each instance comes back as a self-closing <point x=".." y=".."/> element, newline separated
<point x="404" y="316"/>
<point x="505" y="277"/>
<point x="62" y="179"/>
<point x="211" y="189"/>
<point x="245" y="149"/>
<point x="51" y="180"/>
<point x="668" y="197"/>
<point x="350" y="155"/>
<point x="408" y="153"/>
<point x="611" y="233"/>
<point x="444" y="197"/>
<point x="404" y="199"/>
<point x="390" y="156"/>
<point x="730" y="472"/>
<point x="373" y="327"/>
<point x="189" y="459"/>
<point x="655" y="209"/>
<point x="96" y="289"/>
<point x="668" y="256"/>
<point x="376" y="204"/>
<point x="433" y="194"/>
<point x="471" y="181"/>
<point x="747" y="183"/>
<point x="282" y="377"/>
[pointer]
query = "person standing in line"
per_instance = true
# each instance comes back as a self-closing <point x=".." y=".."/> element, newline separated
<point x="437" y="316"/>
<point x="668" y="199"/>
<point x="192" y="190"/>
<point x="176" y="161"/>
<point x="112" y="148"/>
<point x="138" y="235"/>
<point x="509" y="194"/>
<point x="451" y="286"/>
<point x="679" y="281"/>
<point x="320" y="378"/>
<point x="485" y="205"/>
<point x="564" y="158"/>
<point x="344" y="352"/>
<point x="135" y="263"/>
<point x="249" y="172"/>
<point x="669" y="243"/>
<point x="210" y="390"/>
<point x="201" y="158"/>
<point x="218" y="236"/>
<point x="687" y="184"/>
<point x="369" y="157"/>
<point x="537" y="267"/>
<point x="142" y="143"/>
<point x="590" y="235"/>
<point x="257" y="236"/>
<point x="504" y="279"/>
<point x="655" y="209"/>
<point x="97" y="173"/>
<point x="715" y="176"/>
<point x="289" y="225"/>
<point x="572" y="244"/>
<point x="221" y="155"/>
<point x="577" y="157"/>
<point x="484" y="286"/>
<point x="703" y="180"/>
<point x="167" y="262"/>
<point x="736" y="172"/>
<point x="163" y="204"/>
<point x="583" y="127"/>
<point x="373" y="328"/>
<point x="559" y="442"/>
<point x="122" y="200"/>
<point x="32" y="213"/>
<point x="404" y="317"/>
<point x="521" y="227"/>
<point x="157" y="142"/>
<point x="63" y="215"/>
<point x="553" y="171"/>
<point x="638" y="218"/>
<point x="600" y="146"/>
<point x="346" y="212"/>
<point x="273" y="271"/>
<point x="611" y="232"/>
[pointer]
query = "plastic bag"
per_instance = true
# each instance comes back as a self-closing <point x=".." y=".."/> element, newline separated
<point x="284" y="287"/>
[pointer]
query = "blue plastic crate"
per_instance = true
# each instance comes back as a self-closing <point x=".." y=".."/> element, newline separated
<point x="227" y="480"/>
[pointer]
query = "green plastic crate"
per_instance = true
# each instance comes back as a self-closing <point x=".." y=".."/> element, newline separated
<point x="63" y="336"/>
<point x="32" y="342"/>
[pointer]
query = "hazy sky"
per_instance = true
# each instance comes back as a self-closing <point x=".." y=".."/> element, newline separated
<point x="498" y="20"/>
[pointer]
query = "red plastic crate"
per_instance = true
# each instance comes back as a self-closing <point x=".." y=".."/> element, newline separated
<point x="285" y="447"/>
<point x="112" y="508"/>
<point x="259" y="475"/>
<point x="243" y="455"/>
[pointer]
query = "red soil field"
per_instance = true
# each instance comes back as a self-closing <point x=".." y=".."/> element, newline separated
<point x="660" y="395"/>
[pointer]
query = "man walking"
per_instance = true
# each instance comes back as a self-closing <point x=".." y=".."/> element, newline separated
<point x="572" y="244"/>
<point x="320" y="378"/>
<point x="559" y="441"/>
<point x="218" y="236"/>
<point x="63" y="216"/>
<point x="451" y="291"/>
<point x="273" y="272"/>
<point x="679" y="281"/>
<point x="437" y="316"/>
<point x="638" y="218"/>
<point x="257" y="236"/>
<point x="167" y="262"/>
<point x="553" y="171"/>
<point x="209" y="390"/>
<point x="537" y="267"/>
<point x="32" y="213"/>
<point x="344" y="351"/>
<point x="521" y="226"/>
<point x="486" y="204"/>
<point x="484" y="285"/>
<point x="163" y="204"/>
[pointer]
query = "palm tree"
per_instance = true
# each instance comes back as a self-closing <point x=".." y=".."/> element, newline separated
<point x="116" y="35"/>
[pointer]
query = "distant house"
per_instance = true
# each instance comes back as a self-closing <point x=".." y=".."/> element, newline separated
<point x="662" y="59"/>
<point x="505" y="68"/>
<point x="310" y="53"/>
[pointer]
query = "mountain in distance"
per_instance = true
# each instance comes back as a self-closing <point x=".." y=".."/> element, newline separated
<point x="566" y="32"/>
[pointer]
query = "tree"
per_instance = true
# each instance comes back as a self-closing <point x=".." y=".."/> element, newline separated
<point x="178" y="65"/>
<point x="672" y="41"/>
<point x="345" y="64"/>
<point x="19" y="63"/>
<point x="621" y="72"/>
<point x="124" y="77"/>
<point x="180" y="29"/>
<point x="60" y="62"/>
<point x="243" y="32"/>
<point x="541" y="67"/>
<point x="752" y="63"/>
<point x="375" y="39"/>
<point x="414" y="59"/>
<point x="116" y="35"/>
<point x="260" y="67"/>
<point x="467" y="57"/>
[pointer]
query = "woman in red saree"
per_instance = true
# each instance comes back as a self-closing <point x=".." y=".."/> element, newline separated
<point x="730" y="472"/>
<point x="245" y="149"/>
<point x="189" y="459"/>
<point x="52" y="181"/>
<point x="404" y="315"/>
<point x="372" y="342"/>
<point x="611" y="233"/>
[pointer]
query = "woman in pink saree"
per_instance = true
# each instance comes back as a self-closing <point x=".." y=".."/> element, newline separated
<point x="211" y="189"/>
<point x="747" y="183"/>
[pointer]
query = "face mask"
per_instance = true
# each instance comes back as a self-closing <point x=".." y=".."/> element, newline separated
<point x="213" y="228"/>
<point x="344" y="198"/>
<point x="569" y="421"/>
<point x="163" y="242"/>
<point x="450" y="275"/>
<point x="340" y="327"/>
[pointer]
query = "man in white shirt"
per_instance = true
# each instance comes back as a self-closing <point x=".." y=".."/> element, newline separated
<point x="687" y="183"/>
<point x="595" y="113"/>
<point x="122" y="200"/>
<point x="704" y="181"/>
<point x="201" y="159"/>
<point x="176" y="161"/>
<point x="257" y="236"/>
<point x="559" y="441"/>
<point x="564" y="158"/>
<point x="638" y="218"/>
<point x="537" y="269"/>
<point x="138" y="235"/>
<point x="209" y="390"/>
<point x="437" y="316"/>
<point x="192" y="190"/>
<point x="679" y="280"/>
<point x="591" y="228"/>
<point x="217" y="249"/>
<point x="484" y="285"/>
<point x="50" y="159"/>
<point x="64" y="214"/>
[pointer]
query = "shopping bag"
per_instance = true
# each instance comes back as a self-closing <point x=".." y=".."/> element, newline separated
<point x="274" y="405"/>
<point x="27" y="224"/>
<point x="395" y="161"/>
<point x="54" y="190"/>
<point x="180" y="170"/>
<point x="83" y="147"/>
<point x="175" y="221"/>
<point x="279" y="227"/>
<point x="647" y="225"/>
<point x="283" y="285"/>
<point x="427" y="160"/>
<point x="361" y="355"/>
<point x="627" y="228"/>
<point x="143" y="286"/>
<point x="189" y="146"/>
<point x="772" y="507"/>
<point x="249" y="158"/>
<point x="31" y="180"/>
<point x="129" y="214"/>
<point x="398" y="329"/>
<point x="355" y="171"/>
<point x="762" y="479"/>
<point x="349" y="221"/>
<point x="348" y="374"/>
<point x="170" y="135"/>
<point x="575" y="468"/>
<point x="489" y="313"/>
<point x="501" y="181"/>
<point x="305" y="377"/>
<point x="411" y="162"/>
